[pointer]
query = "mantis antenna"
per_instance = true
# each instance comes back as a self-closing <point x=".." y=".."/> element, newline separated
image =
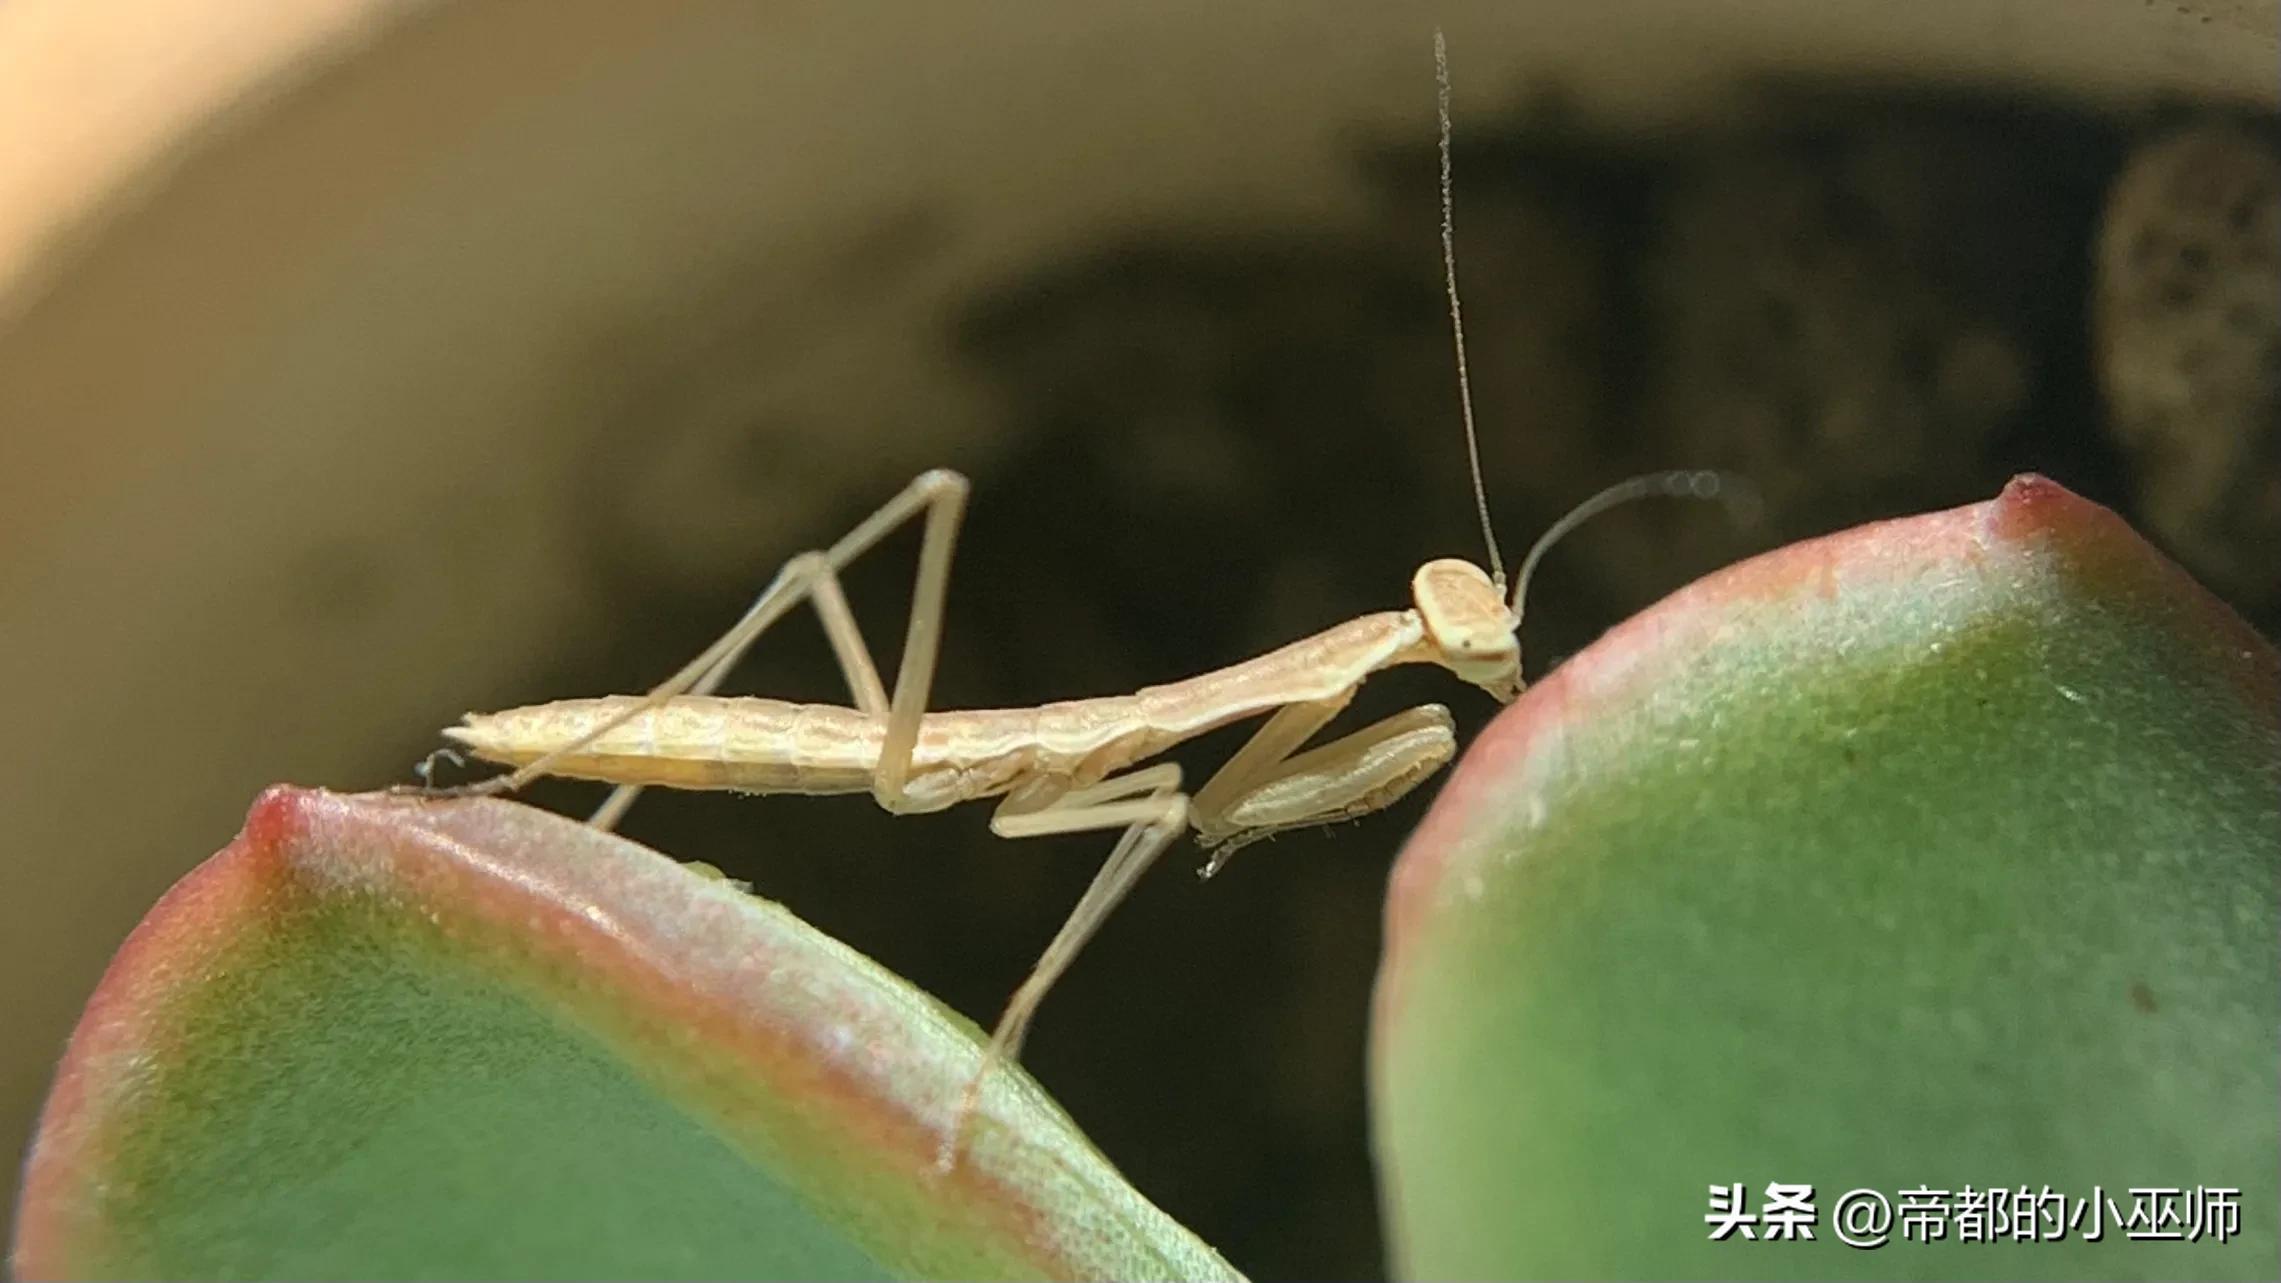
<point x="1684" y="484"/>
<point x="1695" y="484"/>
<point x="1457" y="315"/>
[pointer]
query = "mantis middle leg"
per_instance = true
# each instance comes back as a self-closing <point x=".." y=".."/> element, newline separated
<point x="1148" y="805"/>
<point x="1265" y="788"/>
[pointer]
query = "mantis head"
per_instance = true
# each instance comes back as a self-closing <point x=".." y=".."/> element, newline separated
<point x="1474" y="628"/>
<point x="1473" y="632"/>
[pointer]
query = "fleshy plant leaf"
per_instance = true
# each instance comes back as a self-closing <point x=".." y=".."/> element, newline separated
<point x="1942" y="855"/>
<point x="385" y="1037"/>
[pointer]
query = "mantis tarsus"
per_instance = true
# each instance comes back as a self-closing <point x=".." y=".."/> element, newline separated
<point x="1070" y="766"/>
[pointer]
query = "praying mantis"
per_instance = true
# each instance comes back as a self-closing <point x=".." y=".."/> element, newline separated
<point x="1077" y="765"/>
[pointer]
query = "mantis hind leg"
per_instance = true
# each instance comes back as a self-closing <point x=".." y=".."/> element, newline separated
<point x="941" y="495"/>
<point x="812" y="574"/>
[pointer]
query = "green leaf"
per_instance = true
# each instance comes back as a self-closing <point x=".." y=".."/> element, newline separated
<point x="1941" y="852"/>
<point x="380" y="1037"/>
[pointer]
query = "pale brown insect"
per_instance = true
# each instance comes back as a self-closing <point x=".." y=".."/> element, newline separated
<point x="1070" y="766"/>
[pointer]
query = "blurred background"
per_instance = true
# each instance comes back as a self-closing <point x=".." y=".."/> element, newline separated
<point x="364" y="362"/>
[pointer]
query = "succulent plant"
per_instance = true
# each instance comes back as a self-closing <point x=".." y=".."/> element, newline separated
<point x="380" y="1037"/>
<point x="1941" y="851"/>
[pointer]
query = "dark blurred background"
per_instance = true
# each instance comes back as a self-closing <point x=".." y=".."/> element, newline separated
<point x="295" y="493"/>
